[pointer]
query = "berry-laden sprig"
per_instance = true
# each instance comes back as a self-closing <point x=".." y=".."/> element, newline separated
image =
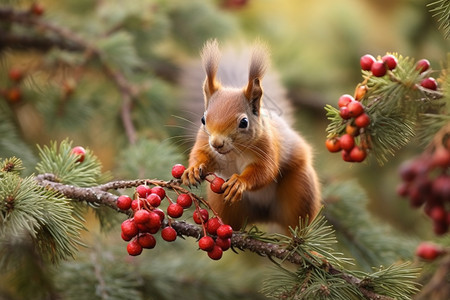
<point x="426" y="181"/>
<point x="356" y="126"/>
<point x="148" y="219"/>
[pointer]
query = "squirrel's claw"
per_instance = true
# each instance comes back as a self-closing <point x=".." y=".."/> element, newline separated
<point x="233" y="189"/>
<point x="193" y="175"/>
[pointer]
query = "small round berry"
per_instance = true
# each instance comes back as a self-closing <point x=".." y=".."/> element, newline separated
<point x="169" y="234"/>
<point x="143" y="190"/>
<point x="175" y="210"/>
<point x="428" y="251"/>
<point x="429" y="83"/>
<point x="158" y="191"/>
<point x="216" y="185"/>
<point x="129" y="228"/>
<point x="366" y="62"/>
<point x="347" y="142"/>
<point x="146" y="240"/>
<point x="355" y="108"/>
<point x="357" y="154"/>
<point x="178" y="170"/>
<point x="225" y="231"/>
<point x="160" y="213"/>
<point x="80" y="152"/>
<point x="124" y="202"/>
<point x="154" y="200"/>
<point x="362" y="121"/>
<point x="422" y="65"/>
<point x="225" y="244"/>
<point x="199" y="215"/>
<point x="13" y="94"/>
<point x="438" y="214"/>
<point x="215" y="253"/>
<point x="137" y="204"/>
<point x="351" y="129"/>
<point x="141" y="216"/>
<point x="212" y="225"/>
<point x="206" y="243"/>
<point x="15" y="74"/>
<point x="125" y="237"/>
<point x="333" y="145"/>
<point x="344" y="100"/>
<point x="184" y="200"/>
<point x="37" y="9"/>
<point x="346" y="156"/>
<point x="344" y="112"/>
<point x="390" y="61"/>
<point x="360" y="92"/>
<point x="154" y="220"/>
<point x="378" y="69"/>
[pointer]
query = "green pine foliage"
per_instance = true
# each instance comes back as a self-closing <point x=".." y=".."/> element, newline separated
<point x="441" y="11"/>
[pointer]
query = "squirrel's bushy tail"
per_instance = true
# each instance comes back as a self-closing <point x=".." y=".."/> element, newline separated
<point x="235" y="66"/>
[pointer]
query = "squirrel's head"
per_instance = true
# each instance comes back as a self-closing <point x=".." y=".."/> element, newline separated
<point x="232" y="114"/>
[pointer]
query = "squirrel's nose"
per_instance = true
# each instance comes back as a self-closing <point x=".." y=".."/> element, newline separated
<point x="217" y="143"/>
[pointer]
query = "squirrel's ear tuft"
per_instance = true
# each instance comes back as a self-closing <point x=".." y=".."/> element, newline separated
<point x="210" y="59"/>
<point x="258" y="64"/>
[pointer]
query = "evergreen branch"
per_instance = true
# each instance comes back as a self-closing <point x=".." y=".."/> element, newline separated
<point x="240" y="240"/>
<point x="69" y="40"/>
<point x="441" y="10"/>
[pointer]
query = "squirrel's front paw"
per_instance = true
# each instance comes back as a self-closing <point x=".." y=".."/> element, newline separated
<point x="233" y="188"/>
<point x="193" y="175"/>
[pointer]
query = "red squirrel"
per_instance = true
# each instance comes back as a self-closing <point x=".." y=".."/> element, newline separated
<point x="266" y="164"/>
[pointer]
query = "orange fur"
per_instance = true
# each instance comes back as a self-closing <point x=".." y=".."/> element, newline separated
<point x="267" y="165"/>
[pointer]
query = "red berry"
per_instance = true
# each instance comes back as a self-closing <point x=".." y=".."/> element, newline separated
<point x="129" y="228"/>
<point x="428" y="251"/>
<point x="362" y="120"/>
<point x="125" y="237"/>
<point x="215" y="253"/>
<point x="206" y="243"/>
<point x="175" y="210"/>
<point x="344" y="113"/>
<point x="158" y="191"/>
<point x="141" y="216"/>
<point x="15" y="74"/>
<point x="422" y="65"/>
<point x="355" y="108"/>
<point x="351" y="129"/>
<point x="178" y="170"/>
<point x="37" y="9"/>
<point x="160" y="213"/>
<point x="124" y="202"/>
<point x="169" y="234"/>
<point x="346" y="156"/>
<point x="225" y="244"/>
<point x="378" y="69"/>
<point x="344" y="100"/>
<point x="184" y="200"/>
<point x="390" y="61"/>
<point x="225" y="231"/>
<point x="347" y="142"/>
<point x="429" y="83"/>
<point x="216" y="185"/>
<point x="154" y="200"/>
<point x="137" y="204"/>
<point x="438" y="214"/>
<point x="199" y="215"/>
<point x="333" y="145"/>
<point x="212" y="225"/>
<point x="357" y="154"/>
<point x="360" y="92"/>
<point x="366" y="62"/>
<point x="154" y="220"/>
<point x="80" y="152"/>
<point x="143" y="190"/>
<point x="146" y="240"/>
<point x="14" y="94"/>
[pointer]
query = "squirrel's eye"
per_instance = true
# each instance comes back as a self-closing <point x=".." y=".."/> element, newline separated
<point x="243" y="123"/>
<point x="203" y="120"/>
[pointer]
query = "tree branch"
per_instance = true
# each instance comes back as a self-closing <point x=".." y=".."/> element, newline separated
<point x="240" y="240"/>
<point x="66" y="39"/>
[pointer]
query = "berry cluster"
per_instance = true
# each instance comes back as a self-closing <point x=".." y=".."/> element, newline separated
<point x="148" y="219"/>
<point x="353" y="113"/>
<point x="426" y="181"/>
